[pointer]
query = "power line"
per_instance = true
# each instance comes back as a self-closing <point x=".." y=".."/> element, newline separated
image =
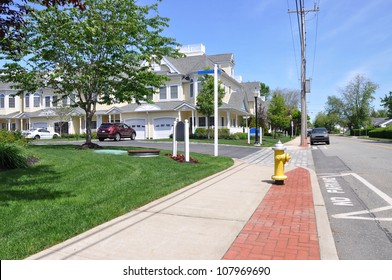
<point x="292" y="37"/>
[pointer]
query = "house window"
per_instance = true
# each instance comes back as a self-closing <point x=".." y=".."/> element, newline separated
<point x="47" y="101"/>
<point x="11" y="101"/>
<point x="1" y="100"/>
<point x="202" y="121"/>
<point x="72" y="99"/>
<point x="150" y="95"/>
<point x="191" y="88"/>
<point x="37" y="100"/>
<point x="55" y="101"/>
<point x="27" y="100"/>
<point x="162" y="93"/>
<point x="65" y="100"/>
<point x="174" y="92"/>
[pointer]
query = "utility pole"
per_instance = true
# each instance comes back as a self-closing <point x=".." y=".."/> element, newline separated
<point x="301" y="12"/>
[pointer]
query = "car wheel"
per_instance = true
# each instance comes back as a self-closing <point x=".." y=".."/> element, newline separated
<point x="327" y="142"/>
<point x="311" y="143"/>
<point x="101" y="139"/>
<point x="37" y="137"/>
<point x="117" y="137"/>
<point x="133" y="136"/>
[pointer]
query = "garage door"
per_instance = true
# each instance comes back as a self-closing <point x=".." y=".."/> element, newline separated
<point x="163" y="127"/>
<point x="139" y="125"/>
<point x="40" y="125"/>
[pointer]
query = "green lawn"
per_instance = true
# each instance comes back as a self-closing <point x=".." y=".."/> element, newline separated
<point x="70" y="191"/>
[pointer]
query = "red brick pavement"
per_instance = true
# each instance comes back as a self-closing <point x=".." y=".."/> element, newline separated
<point x="283" y="227"/>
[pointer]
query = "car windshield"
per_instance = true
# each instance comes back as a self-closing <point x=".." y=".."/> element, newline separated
<point x="319" y="130"/>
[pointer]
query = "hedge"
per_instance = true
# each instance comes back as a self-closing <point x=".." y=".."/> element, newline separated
<point x="382" y="132"/>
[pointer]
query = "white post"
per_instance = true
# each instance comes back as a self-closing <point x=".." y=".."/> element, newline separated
<point x="174" y="139"/>
<point x="261" y="136"/>
<point x="186" y="141"/>
<point x="216" y="110"/>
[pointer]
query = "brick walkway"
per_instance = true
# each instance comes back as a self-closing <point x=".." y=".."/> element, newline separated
<point x="283" y="227"/>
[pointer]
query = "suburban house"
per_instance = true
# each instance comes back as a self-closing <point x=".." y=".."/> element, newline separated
<point x="381" y="122"/>
<point x="175" y="100"/>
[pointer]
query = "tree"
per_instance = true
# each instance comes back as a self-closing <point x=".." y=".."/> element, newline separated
<point x="102" y="54"/>
<point x="264" y="91"/>
<point x="205" y="99"/>
<point x="357" y="97"/>
<point x="12" y="19"/>
<point x="335" y="111"/>
<point x="386" y="102"/>
<point x="278" y="113"/>
<point x="328" y="121"/>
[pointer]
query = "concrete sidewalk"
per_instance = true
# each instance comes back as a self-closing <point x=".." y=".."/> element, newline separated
<point x="220" y="217"/>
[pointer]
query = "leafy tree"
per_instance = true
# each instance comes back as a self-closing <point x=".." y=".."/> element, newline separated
<point x="381" y="113"/>
<point x="357" y="97"/>
<point x="328" y="121"/>
<point x="264" y="91"/>
<point x="12" y="15"/>
<point x="205" y="99"/>
<point x="334" y="110"/>
<point x="95" y="53"/>
<point x="278" y="113"/>
<point x="386" y="102"/>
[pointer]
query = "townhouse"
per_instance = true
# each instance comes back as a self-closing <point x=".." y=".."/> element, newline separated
<point x="174" y="100"/>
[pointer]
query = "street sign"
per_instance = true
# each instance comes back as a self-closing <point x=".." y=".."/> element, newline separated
<point x="207" y="72"/>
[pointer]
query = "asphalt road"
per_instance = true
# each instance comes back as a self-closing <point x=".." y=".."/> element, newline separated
<point x="355" y="177"/>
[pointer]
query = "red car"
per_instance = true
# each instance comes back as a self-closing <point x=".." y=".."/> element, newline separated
<point x="115" y="131"/>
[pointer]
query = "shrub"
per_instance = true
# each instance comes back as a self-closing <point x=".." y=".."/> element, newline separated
<point x="359" y="132"/>
<point x="12" y="156"/>
<point x="241" y="135"/>
<point x="12" y="137"/>
<point x="382" y="132"/>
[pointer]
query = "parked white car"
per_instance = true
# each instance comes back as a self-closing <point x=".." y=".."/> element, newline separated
<point x="39" y="133"/>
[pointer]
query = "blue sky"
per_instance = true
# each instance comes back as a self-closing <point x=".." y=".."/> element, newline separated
<point x="345" y="38"/>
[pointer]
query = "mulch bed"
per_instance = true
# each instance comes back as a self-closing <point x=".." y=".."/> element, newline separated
<point x="181" y="158"/>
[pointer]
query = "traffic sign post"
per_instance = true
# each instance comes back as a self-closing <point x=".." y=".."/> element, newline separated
<point x="216" y="72"/>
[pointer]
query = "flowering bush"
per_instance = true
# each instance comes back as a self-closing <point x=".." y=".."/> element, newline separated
<point x="181" y="158"/>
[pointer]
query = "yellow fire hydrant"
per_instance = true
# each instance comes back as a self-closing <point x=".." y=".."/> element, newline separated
<point x="280" y="159"/>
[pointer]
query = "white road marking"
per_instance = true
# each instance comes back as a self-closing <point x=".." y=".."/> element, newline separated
<point x="353" y="215"/>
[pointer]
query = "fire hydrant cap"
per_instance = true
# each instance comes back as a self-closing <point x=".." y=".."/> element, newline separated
<point x="279" y="146"/>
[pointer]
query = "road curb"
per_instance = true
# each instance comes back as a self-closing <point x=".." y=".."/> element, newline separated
<point x="326" y="242"/>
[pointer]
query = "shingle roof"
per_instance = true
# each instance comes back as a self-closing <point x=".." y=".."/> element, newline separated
<point x="190" y="64"/>
<point x="249" y="88"/>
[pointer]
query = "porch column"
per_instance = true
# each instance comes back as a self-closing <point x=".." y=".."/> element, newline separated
<point x="228" y="119"/>
<point x="193" y="121"/>
<point x="9" y="124"/>
<point x="197" y="120"/>
<point x="179" y="115"/>
<point x="195" y="87"/>
<point x="236" y="120"/>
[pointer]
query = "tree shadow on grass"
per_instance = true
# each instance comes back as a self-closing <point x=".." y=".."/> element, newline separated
<point x="26" y="185"/>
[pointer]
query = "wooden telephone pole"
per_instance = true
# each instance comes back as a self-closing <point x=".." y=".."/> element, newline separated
<point x="301" y="12"/>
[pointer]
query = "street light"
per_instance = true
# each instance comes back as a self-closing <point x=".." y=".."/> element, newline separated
<point x="257" y="143"/>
